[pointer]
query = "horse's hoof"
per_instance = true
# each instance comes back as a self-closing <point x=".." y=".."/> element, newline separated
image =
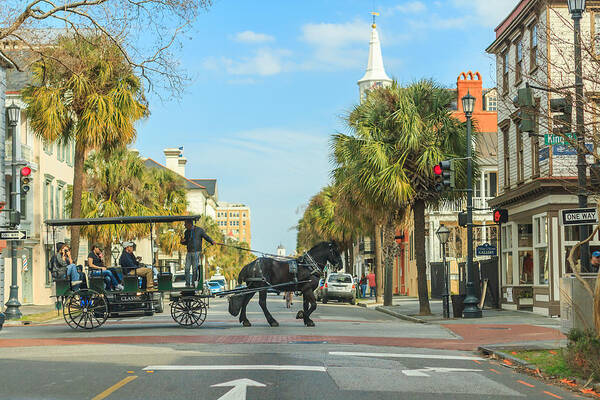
<point x="274" y="323"/>
<point x="246" y="323"/>
<point x="300" y="315"/>
<point x="309" y="323"/>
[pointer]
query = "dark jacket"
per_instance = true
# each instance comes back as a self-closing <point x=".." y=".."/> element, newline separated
<point x="192" y="238"/>
<point x="128" y="262"/>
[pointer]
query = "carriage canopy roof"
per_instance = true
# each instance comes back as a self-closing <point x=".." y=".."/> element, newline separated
<point x="122" y="220"/>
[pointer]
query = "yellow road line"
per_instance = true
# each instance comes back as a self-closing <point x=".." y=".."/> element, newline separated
<point x="114" y="387"/>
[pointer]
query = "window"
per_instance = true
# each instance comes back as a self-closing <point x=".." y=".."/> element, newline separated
<point x="507" y="255"/>
<point x="491" y="184"/>
<point x="597" y="33"/>
<point x="518" y="61"/>
<point x="492" y="103"/>
<point x="506" y="157"/>
<point x="540" y="244"/>
<point x="48" y="147"/>
<point x="520" y="162"/>
<point x="533" y="49"/>
<point x="244" y="223"/>
<point x="60" y="150"/>
<point x="535" y="144"/>
<point x="505" y="72"/>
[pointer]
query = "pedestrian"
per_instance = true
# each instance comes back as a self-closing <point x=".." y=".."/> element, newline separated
<point x="288" y="299"/>
<point x="97" y="267"/>
<point x="372" y="284"/>
<point x="595" y="262"/>
<point x="192" y="238"/>
<point x="131" y="266"/>
<point x="363" y="286"/>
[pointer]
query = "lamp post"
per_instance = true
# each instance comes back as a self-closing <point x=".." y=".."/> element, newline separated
<point x="443" y="235"/>
<point x="576" y="9"/>
<point x="471" y="310"/>
<point x="13" y="304"/>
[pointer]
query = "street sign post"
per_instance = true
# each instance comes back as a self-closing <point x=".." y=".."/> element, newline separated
<point x="552" y="139"/>
<point x="486" y="249"/>
<point x="579" y="216"/>
<point x="13" y="235"/>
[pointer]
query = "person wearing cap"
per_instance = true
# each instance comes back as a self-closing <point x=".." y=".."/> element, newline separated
<point x="192" y="238"/>
<point x="595" y="262"/>
<point x="97" y="267"/>
<point x="131" y="266"/>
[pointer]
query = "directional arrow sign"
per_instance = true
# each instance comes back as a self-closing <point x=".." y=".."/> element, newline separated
<point x="239" y="388"/>
<point x="579" y="216"/>
<point x="13" y="235"/>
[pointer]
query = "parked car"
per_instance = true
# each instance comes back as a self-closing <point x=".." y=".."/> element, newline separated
<point x="215" y="287"/>
<point x="319" y="290"/>
<point x="339" y="287"/>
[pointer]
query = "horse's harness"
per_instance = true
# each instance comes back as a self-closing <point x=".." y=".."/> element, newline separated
<point x="306" y="261"/>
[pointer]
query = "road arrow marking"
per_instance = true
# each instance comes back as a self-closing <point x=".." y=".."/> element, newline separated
<point x="397" y="355"/>
<point x="239" y="388"/>
<point x="427" y="370"/>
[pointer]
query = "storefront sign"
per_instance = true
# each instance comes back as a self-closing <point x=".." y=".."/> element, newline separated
<point x="486" y="249"/>
<point x="579" y="216"/>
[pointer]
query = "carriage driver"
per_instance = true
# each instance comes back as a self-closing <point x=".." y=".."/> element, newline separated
<point x="131" y="266"/>
<point x="192" y="238"/>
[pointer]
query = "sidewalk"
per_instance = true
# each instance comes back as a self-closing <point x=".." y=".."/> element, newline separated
<point x="35" y="314"/>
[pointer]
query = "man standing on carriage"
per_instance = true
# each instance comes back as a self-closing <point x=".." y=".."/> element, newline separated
<point x="192" y="238"/>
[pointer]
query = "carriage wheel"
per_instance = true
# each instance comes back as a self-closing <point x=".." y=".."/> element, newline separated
<point x="189" y="312"/>
<point x="85" y="309"/>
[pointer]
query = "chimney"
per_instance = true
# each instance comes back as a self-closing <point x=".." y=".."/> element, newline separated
<point x="175" y="161"/>
<point x="469" y="82"/>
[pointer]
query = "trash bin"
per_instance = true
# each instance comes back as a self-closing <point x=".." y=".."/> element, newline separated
<point x="458" y="305"/>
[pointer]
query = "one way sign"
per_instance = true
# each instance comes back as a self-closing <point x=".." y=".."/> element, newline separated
<point x="579" y="216"/>
<point x="13" y="235"/>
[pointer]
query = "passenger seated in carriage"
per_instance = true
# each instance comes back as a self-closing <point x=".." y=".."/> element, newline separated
<point x="62" y="266"/>
<point x="132" y="266"/>
<point x="97" y="268"/>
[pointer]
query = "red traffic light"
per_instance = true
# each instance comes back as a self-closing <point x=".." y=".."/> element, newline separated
<point x="25" y="171"/>
<point x="437" y="169"/>
<point x="496" y="216"/>
<point x="500" y="216"/>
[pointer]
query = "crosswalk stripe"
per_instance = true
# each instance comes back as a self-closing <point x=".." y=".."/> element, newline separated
<point x="398" y="355"/>
<point x="314" y="368"/>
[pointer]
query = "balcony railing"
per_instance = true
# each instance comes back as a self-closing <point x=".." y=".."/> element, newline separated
<point x="480" y="204"/>
<point x="26" y="152"/>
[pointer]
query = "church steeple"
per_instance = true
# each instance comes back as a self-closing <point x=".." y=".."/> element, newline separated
<point x="375" y="74"/>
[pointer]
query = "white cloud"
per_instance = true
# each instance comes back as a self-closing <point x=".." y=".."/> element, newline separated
<point x="409" y="7"/>
<point x="263" y="62"/>
<point x="252" y="37"/>
<point x="487" y="13"/>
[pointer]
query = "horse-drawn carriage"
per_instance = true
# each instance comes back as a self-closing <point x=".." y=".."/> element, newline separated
<point x="89" y="307"/>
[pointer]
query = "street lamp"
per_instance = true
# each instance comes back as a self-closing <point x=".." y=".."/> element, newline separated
<point x="471" y="301"/>
<point x="443" y="235"/>
<point x="576" y="8"/>
<point x="12" y="305"/>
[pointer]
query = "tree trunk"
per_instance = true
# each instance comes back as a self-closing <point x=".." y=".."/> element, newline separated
<point x="419" y="241"/>
<point x="347" y="260"/>
<point x="76" y="198"/>
<point x="351" y="250"/>
<point x="378" y="265"/>
<point x="389" y="242"/>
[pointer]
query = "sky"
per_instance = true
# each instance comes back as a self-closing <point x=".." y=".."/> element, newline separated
<point x="272" y="80"/>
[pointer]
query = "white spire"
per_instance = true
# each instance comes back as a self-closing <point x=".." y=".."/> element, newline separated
<point x="375" y="75"/>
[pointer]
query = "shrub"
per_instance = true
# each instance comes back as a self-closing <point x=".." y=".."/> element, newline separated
<point x="583" y="353"/>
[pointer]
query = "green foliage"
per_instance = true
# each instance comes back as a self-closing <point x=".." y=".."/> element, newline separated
<point x="551" y="362"/>
<point x="583" y="353"/>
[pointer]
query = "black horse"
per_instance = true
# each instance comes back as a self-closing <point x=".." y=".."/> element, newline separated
<point x="265" y="271"/>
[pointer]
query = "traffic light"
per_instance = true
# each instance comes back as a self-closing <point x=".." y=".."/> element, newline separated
<point x="444" y="175"/>
<point x="500" y="215"/>
<point x="562" y="106"/>
<point x="526" y="104"/>
<point x="462" y="218"/>
<point x="25" y="180"/>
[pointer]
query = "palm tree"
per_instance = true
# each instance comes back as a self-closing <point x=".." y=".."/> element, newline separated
<point x="84" y="90"/>
<point x="398" y="135"/>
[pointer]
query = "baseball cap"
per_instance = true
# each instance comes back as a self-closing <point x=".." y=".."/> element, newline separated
<point x="127" y="244"/>
<point x="596" y="254"/>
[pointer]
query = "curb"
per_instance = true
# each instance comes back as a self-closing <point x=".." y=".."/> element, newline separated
<point x="400" y="316"/>
<point x="489" y="351"/>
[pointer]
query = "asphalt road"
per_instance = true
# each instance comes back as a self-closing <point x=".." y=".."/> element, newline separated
<point x="152" y="358"/>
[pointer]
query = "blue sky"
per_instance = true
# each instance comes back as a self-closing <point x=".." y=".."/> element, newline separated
<point x="272" y="80"/>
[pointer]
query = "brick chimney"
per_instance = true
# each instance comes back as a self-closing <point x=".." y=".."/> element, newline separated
<point x="470" y="82"/>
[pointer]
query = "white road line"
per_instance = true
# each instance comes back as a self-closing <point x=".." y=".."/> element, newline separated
<point x="396" y="355"/>
<point x="313" y="368"/>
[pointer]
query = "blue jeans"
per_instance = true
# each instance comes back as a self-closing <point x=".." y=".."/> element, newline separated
<point x="373" y="291"/>
<point x="109" y="279"/>
<point x="192" y="259"/>
<point x="363" y="290"/>
<point x="73" y="274"/>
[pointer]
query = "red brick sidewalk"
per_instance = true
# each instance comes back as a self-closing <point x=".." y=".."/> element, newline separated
<point x="471" y="336"/>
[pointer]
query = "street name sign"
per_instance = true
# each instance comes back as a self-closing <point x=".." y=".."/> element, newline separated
<point x="551" y="139"/>
<point x="579" y="216"/>
<point x="486" y="249"/>
<point x="13" y="235"/>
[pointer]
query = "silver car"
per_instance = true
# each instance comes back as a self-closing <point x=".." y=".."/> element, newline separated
<point x="339" y="287"/>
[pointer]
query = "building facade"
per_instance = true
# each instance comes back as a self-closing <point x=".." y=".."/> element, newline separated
<point x="234" y="220"/>
<point x="534" y="44"/>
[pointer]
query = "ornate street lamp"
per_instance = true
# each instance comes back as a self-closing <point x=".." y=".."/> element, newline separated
<point x="471" y="301"/>
<point x="576" y="9"/>
<point x="443" y="235"/>
<point x="12" y="305"/>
